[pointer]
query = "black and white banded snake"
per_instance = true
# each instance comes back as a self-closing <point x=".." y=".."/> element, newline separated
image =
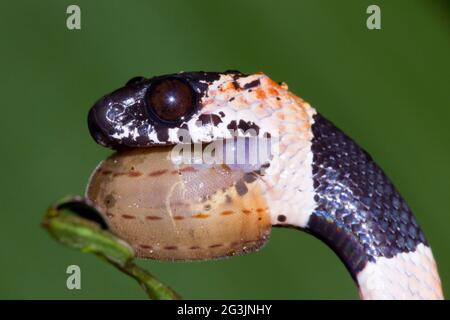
<point x="321" y="182"/>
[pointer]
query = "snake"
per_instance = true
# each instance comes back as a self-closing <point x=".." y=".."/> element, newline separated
<point x="321" y="181"/>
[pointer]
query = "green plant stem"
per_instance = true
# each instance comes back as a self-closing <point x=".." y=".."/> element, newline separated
<point x="154" y="288"/>
<point x="76" y="224"/>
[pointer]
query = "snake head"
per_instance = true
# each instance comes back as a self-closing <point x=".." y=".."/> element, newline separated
<point x="187" y="107"/>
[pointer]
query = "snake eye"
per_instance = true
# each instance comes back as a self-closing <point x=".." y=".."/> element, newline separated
<point x="171" y="99"/>
<point x="134" y="80"/>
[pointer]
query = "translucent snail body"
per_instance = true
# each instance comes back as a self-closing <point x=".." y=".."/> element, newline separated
<point x="179" y="212"/>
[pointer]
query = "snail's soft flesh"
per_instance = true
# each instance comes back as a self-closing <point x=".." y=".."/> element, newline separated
<point x="179" y="212"/>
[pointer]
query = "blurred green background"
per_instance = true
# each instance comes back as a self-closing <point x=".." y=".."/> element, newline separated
<point x="388" y="89"/>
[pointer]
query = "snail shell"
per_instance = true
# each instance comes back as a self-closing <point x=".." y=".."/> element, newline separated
<point x="179" y="212"/>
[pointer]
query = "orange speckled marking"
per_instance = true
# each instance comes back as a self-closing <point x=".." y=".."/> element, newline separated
<point x="227" y="86"/>
<point x="117" y="174"/>
<point x="272" y="91"/>
<point x="226" y="212"/>
<point x="259" y="210"/>
<point x="153" y="217"/>
<point x="178" y="217"/>
<point x="280" y="116"/>
<point x="127" y="216"/>
<point x="246" y="211"/>
<point x="134" y="174"/>
<point x="185" y="169"/>
<point x="157" y="173"/>
<point x="260" y="94"/>
<point x="200" y="215"/>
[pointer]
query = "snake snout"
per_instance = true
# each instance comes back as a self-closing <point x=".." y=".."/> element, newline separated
<point x="97" y="127"/>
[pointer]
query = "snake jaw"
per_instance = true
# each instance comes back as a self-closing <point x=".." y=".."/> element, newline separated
<point x="95" y="130"/>
<point x="115" y="118"/>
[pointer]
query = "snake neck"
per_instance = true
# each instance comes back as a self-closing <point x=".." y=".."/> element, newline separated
<point x="325" y="184"/>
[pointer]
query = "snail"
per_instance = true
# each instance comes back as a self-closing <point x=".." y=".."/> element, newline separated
<point x="170" y="211"/>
